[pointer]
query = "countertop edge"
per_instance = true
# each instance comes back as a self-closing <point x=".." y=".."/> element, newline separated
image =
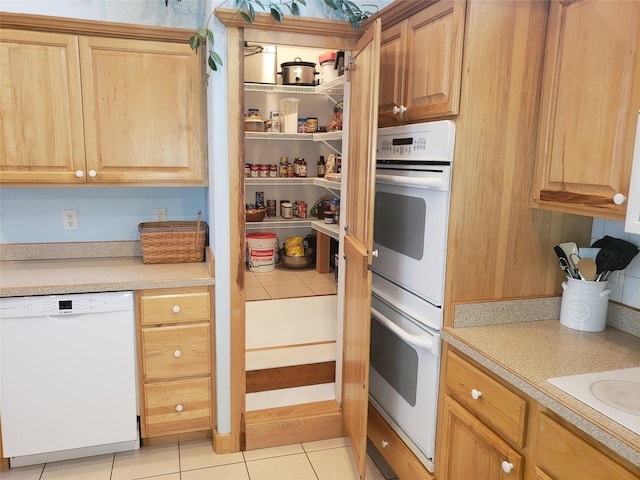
<point x="618" y="446"/>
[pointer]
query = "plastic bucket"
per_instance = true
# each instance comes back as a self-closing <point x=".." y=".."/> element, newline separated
<point x="584" y="305"/>
<point x="262" y="251"/>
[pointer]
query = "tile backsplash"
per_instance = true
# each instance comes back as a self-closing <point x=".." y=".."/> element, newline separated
<point x="626" y="289"/>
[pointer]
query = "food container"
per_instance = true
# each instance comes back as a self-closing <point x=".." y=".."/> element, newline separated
<point x="294" y="262"/>
<point x="298" y="73"/>
<point x="261" y="249"/>
<point x="289" y="115"/>
<point x="253" y="124"/>
<point x="255" y="214"/>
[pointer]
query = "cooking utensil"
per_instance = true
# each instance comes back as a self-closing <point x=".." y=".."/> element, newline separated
<point x="298" y="73"/>
<point x="564" y="263"/>
<point x="571" y="251"/>
<point x="587" y="269"/>
<point x="622" y="250"/>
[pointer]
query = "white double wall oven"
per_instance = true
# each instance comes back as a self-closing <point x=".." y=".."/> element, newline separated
<point x="413" y="182"/>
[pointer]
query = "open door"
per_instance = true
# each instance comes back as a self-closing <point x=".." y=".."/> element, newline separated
<point x="358" y="239"/>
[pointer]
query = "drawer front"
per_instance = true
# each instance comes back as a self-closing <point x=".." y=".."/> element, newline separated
<point x="176" y="351"/>
<point x="402" y="461"/>
<point x="565" y="456"/>
<point x="180" y="406"/>
<point x="182" y="306"/>
<point x="496" y="405"/>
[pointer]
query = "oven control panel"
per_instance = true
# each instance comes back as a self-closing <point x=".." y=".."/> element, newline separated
<point x="431" y="141"/>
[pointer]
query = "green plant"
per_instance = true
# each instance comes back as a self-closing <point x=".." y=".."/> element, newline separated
<point x="246" y="9"/>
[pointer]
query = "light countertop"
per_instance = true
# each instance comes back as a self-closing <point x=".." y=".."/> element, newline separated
<point x="98" y="274"/>
<point x="527" y="353"/>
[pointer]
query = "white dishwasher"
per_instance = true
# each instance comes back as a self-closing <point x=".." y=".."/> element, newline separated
<point x="68" y="385"/>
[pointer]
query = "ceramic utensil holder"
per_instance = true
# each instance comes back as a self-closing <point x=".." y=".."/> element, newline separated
<point x="584" y="305"/>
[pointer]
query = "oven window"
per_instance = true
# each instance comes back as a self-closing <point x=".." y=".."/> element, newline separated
<point x="399" y="223"/>
<point x="395" y="361"/>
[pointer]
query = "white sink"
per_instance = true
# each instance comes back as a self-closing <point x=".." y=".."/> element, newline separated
<point x="615" y="393"/>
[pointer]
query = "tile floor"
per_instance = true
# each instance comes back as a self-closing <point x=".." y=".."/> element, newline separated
<point x="286" y="283"/>
<point x="195" y="460"/>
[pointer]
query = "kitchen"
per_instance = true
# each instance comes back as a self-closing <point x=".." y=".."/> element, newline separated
<point x="21" y="204"/>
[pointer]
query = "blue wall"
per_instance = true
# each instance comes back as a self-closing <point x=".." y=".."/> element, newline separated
<point x="34" y="215"/>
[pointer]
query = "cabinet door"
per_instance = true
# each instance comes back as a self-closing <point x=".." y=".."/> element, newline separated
<point x="434" y="61"/>
<point x="143" y="112"/>
<point x="392" y="66"/>
<point x="590" y="99"/>
<point x="41" y="105"/>
<point x="472" y="450"/>
<point x="358" y="241"/>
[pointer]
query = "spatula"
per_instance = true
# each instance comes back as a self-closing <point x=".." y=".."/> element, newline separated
<point x="588" y="269"/>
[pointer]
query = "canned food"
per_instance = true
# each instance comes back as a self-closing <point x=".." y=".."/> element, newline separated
<point x="284" y="170"/>
<point x="312" y="124"/>
<point x="273" y="171"/>
<point x="271" y="208"/>
<point x="255" y="169"/>
<point x="302" y="125"/>
<point x="259" y="199"/>
<point x="247" y="170"/>
<point x="302" y="209"/>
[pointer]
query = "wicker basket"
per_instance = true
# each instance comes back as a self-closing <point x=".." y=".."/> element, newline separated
<point x="255" y="214"/>
<point x="172" y="242"/>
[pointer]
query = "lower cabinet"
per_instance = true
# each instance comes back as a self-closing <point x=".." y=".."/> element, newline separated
<point x="175" y="338"/>
<point x="489" y="430"/>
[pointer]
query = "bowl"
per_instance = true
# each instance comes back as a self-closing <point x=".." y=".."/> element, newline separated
<point x="289" y="261"/>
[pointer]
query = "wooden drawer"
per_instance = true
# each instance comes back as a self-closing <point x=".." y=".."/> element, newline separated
<point x="179" y="406"/>
<point x="565" y="456"/>
<point x="403" y="462"/>
<point x="496" y="405"/>
<point x="175" y="306"/>
<point x="176" y="351"/>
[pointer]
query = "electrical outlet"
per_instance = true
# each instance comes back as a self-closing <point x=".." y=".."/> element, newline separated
<point x="70" y="219"/>
<point x="159" y="214"/>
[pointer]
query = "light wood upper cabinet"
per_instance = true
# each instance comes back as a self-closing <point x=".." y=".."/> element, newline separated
<point x="83" y="109"/>
<point x="40" y="100"/>
<point x="421" y="62"/>
<point x="590" y="101"/>
<point x="143" y="110"/>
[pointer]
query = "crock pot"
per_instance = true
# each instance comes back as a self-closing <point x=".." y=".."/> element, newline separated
<point x="298" y="73"/>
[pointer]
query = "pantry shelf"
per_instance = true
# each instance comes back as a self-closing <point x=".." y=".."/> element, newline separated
<point x="330" y="229"/>
<point x="315" y="137"/>
<point x="334" y="86"/>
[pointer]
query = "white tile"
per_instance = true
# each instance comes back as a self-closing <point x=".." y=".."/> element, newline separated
<point x="326" y="444"/>
<point x="334" y="463"/>
<point x="291" y="467"/>
<point x="597" y="229"/>
<point x="146" y="462"/>
<point x="259" y="454"/>
<point x="631" y="291"/>
<point x="615" y="229"/>
<point x="236" y="471"/>
<point x="89" y="468"/>
<point x="32" y="472"/>
<point x="199" y="454"/>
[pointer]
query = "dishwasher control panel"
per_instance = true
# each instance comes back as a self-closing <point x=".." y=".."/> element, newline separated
<point x="74" y="304"/>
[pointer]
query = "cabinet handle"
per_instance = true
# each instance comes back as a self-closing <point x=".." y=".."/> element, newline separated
<point x="79" y="173"/>
<point x="384" y="443"/>
<point x="475" y="394"/>
<point x="399" y="110"/>
<point x="177" y="354"/>
<point x="375" y="253"/>
<point x="176" y="309"/>
<point x="619" y="199"/>
<point x="179" y="408"/>
<point x="507" y="467"/>
<point x="92" y="173"/>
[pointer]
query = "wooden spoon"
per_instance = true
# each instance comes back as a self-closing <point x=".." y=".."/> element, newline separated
<point x="587" y="268"/>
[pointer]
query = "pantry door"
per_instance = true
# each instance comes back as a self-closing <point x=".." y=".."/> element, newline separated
<point x="358" y="240"/>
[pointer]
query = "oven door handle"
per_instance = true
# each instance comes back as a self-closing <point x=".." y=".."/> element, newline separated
<point x="418" y="182"/>
<point x="415" y="340"/>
